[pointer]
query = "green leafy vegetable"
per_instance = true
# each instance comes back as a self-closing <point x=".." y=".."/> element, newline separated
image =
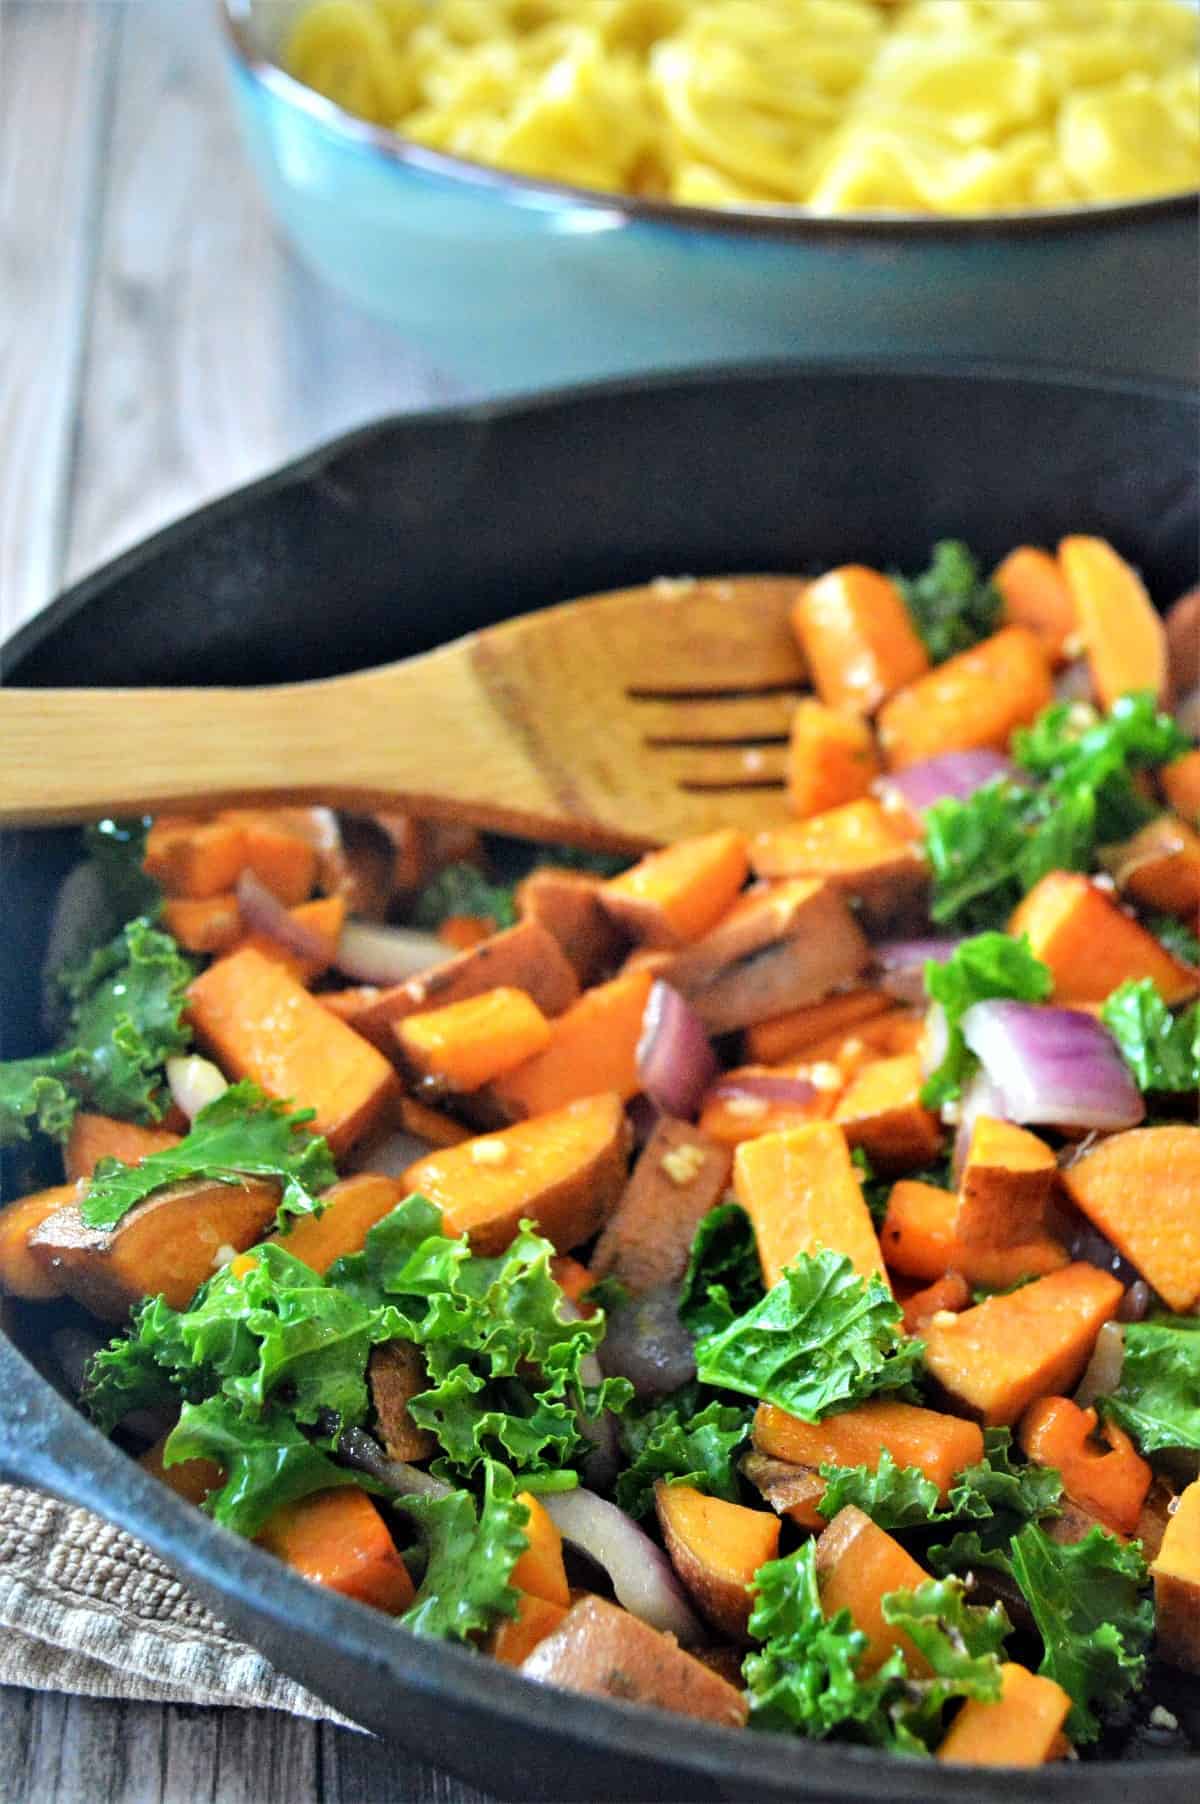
<point x="876" y="1190"/>
<point x="266" y="1459"/>
<point x="39" y="1094"/>
<point x="900" y="1497"/>
<point x="117" y="848"/>
<point x="989" y="965"/>
<point x="962" y="1644"/>
<point x="470" y="1554"/>
<point x="821" y="1339"/>
<point x="683" y="1441"/>
<point x="1158" y="1398"/>
<point x="242" y="1134"/>
<point x="1094" y="1624"/>
<point x="462" y="889"/>
<point x="723" y="1277"/>
<point x="1176" y="936"/>
<point x="1161" y="1049"/>
<point x="1074" y="751"/>
<point x="953" y="607"/>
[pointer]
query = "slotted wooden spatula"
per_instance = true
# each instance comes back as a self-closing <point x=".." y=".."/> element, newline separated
<point x="621" y="720"/>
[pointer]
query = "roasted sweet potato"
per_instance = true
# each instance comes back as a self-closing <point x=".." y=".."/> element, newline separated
<point x="857" y="1565"/>
<point x="716" y="1548"/>
<point x="1007" y="1183"/>
<point x="857" y="637"/>
<point x="802" y="1192"/>
<point x="191" y="1479"/>
<point x="860" y="850"/>
<point x="974" y="699"/>
<point x="601" y="1649"/>
<point x="881" y="1111"/>
<point x="564" y="1171"/>
<point x="282" y="858"/>
<point x="1182" y="625"/>
<point x="951" y="1293"/>
<point x="352" y="1207"/>
<point x="1022" y="1727"/>
<point x="831" y="758"/>
<point x="396" y="1374"/>
<point x="592" y="1047"/>
<point x="466" y="1044"/>
<point x="1035" y="594"/>
<point x="941" y="1446"/>
<point x="22" y="1272"/>
<point x="424" y="1123"/>
<point x="1176" y="1573"/>
<point x="1112" y="1483"/>
<point x="1181" y="785"/>
<point x="792" y="1491"/>
<point x="540" y="1570"/>
<point x="787" y="1036"/>
<point x="997" y="1358"/>
<point x="167" y="1245"/>
<point x="768" y="1099"/>
<point x="1142" y="1190"/>
<point x="515" y="1637"/>
<point x="196" y="858"/>
<point x="777" y="949"/>
<point x="339" y="1539"/>
<point x="96" y="1137"/>
<point x="567" y="905"/>
<point x="1091" y="945"/>
<point x="919" y="1240"/>
<point x="1160" y="866"/>
<point x="680" y="1175"/>
<point x="675" y="896"/>
<point x="324" y="918"/>
<point x="1124" y="637"/>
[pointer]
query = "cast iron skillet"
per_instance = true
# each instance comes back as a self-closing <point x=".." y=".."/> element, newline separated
<point x="418" y="529"/>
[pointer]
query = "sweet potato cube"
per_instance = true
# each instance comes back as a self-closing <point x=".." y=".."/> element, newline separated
<point x="1091" y="945"/>
<point x="466" y="1044"/>
<point x="1007" y="1183"/>
<point x="1176" y="1574"/>
<point x="858" y="1564"/>
<point x="567" y="905"/>
<point x="592" y="1047"/>
<point x="974" y="699"/>
<point x="283" y="859"/>
<point x="940" y="1445"/>
<point x="258" y="1022"/>
<point x="515" y="1637"/>
<point x="858" y="848"/>
<point x="1035" y="594"/>
<point x="919" y="1240"/>
<point x="540" y="1570"/>
<point x="195" y="858"/>
<point x="396" y="1374"/>
<point x="716" y="1548"/>
<point x="777" y="949"/>
<point x="352" y="1207"/>
<point x="1022" y="1727"/>
<point x="1112" y="1484"/>
<point x="675" y="896"/>
<point x="1125" y="639"/>
<point x="680" y="1175"/>
<point x="1142" y="1190"/>
<point x="831" y="758"/>
<point x="858" y="638"/>
<point x="997" y="1358"/>
<point x="339" y="1539"/>
<point x="191" y="1479"/>
<point x="96" y="1137"/>
<point x="786" y="1036"/>
<point x="950" y="1293"/>
<point x="564" y="1171"/>
<point x="792" y="1491"/>
<point x="167" y="1245"/>
<point x="424" y="1123"/>
<point x="601" y="1649"/>
<point x="801" y="1192"/>
<point x="324" y="918"/>
<point x="881" y="1111"/>
<point x="1160" y="866"/>
<point x="207" y="924"/>
<point x="1181" y="785"/>
<point x="22" y="1272"/>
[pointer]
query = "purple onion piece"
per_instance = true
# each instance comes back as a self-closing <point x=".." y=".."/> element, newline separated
<point x="642" y="1577"/>
<point x="1054" y="1066"/>
<point x="675" y="1059"/>
<point x="952" y="774"/>
<point x="370" y="953"/>
<point x="263" y="912"/>
<point x="362" y="1450"/>
<point x="646" y="1342"/>
<point x="902" y="964"/>
<point x="1135" y="1304"/>
<point x="764" y="1087"/>
<point x="1103" y="1373"/>
<point x="643" y="1118"/>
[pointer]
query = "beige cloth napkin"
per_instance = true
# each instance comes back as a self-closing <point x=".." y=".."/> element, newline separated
<point x="86" y="1608"/>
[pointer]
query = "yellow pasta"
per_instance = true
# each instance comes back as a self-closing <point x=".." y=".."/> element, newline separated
<point x="838" y="106"/>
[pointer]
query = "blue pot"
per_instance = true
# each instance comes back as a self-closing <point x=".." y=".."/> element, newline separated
<point x="510" y="283"/>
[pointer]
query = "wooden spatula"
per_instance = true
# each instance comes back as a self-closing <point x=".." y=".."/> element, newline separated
<point x="622" y="720"/>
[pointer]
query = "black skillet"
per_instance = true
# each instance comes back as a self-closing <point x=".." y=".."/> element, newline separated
<point x="416" y="530"/>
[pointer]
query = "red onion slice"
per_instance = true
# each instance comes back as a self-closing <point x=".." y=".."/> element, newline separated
<point x="646" y="1342"/>
<point x="764" y="1087"/>
<point x="373" y="954"/>
<point x="362" y="1450"/>
<point x="902" y="964"/>
<point x="952" y="774"/>
<point x="1103" y="1373"/>
<point x="641" y="1575"/>
<point x="264" y="913"/>
<point x="1056" y="1066"/>
<point x="675" y="1059"/>
<point x="194" y="1083"/>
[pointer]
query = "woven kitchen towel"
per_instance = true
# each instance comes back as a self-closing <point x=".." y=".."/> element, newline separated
<point x="86" y="1608"/>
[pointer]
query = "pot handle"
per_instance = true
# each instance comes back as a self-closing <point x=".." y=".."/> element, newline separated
<point x="44" y="1442"/>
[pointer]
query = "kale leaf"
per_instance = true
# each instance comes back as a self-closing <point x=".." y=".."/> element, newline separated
<point x="1158" y="1398"/>
<point x="1161" y="1049"/>
<point x="900" y="1497"/>
<point x="723" y="1277"/>
<point x="470" y="1552"/>
<point x="684" y="1441"/>
<point x="953" y="607"/>
<point x="462" y="889"/>
<point x="988" y="965"/>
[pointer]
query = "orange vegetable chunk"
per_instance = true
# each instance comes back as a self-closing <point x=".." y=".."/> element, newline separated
<point x="1113" y="1485"/>
<point x="195" y="858"/>
<point x="593" y="1047"/>
<point x="352" y="1207"/>
<point x="1160" y="866"/>
<point x="1176" y="1574"/>
<point x="858" y="638"/>
<point x="716" y="1548"/>
<point x="674" y="896"/>
<point x="339" y="1539"/>
<point x="258" y="1022"/>
<point x="564" y="1171"/>
<point x="540" y="1570"/>
<point x="325" y="918"/>
<point x="282" y="858"/>
<point x="881" y="1111"/>
<point x="974" y="699"/>
<point x="567" y="904"/>
<point x="204" y="923"/>
<point x="940" y="1445"/>
<point x="430" y="1124"/>
<point x="831" y="758"/>
<point x="1022" y="1727"/>
<point x="919" y="1240"/>
<point x="1126" y="640"/>
<point x="1007" y="1183"/>
<point x="858" y="848"/>
<point x="857" y="1565"/>
<point x="1035" y="594"/>
<point x="96" y="1137"/>
<point x="801" y="1192"/>
<point x="22" y="1273"/>
<point x="950" y="1293"/>
<point x="1091" y="945"/>
<point x="770" y="1042"/>
<point x="515" y="1637"/>
<point x="191" y="1479"/>
<point x="1142" y="1190"/>
<point x="466" y="1044"/>
<point x="600" y="1649"/>
<point x="732" y="1115"/>
<point x="680" y="1175"/>
<point x="1181" y="785"/>
<point x="997" y="1358"/>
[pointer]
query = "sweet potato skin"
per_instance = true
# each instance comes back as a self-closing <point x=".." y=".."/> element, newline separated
<point x="716" y="1548"/>
<point x="792" y="1491"/>
<point x="1007" y="1183"/>
<point x="1176" y="1574"/>
<point x="1142" y="1190"/>
<point x="601" y="1649"/>
<point x="169" y="1244"/>
<point x="567" y="905"/>
<point x="395" y="1375"/>
<point x="881" y="1111"/>
<point x="680" y="1175"/>
<point x="860" y="850"/>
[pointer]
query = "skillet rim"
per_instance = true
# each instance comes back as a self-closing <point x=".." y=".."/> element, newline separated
<point x="67" y="1456"/>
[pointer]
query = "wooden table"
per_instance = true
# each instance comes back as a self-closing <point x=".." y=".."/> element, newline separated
<point x="158" y="344"/>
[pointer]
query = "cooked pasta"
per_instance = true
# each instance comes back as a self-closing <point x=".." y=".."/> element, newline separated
<point x="928" y="106"/>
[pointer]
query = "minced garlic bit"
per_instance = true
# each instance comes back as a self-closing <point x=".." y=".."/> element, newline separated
<point x="684" y="1163"/>
<point x="825" y="1075"/>
<point x="223" y="1255"/>
<point x="489" y="1152"/>
<point x="1081" y="716"/>
<point x="942" y="1318"/>
<point x="1162" y="1718"/>
<point x="852" y="1048"/>
<point x="750" y="1107"/>
<point x="1074" y="645"/>
<point x="669" y="586"/>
